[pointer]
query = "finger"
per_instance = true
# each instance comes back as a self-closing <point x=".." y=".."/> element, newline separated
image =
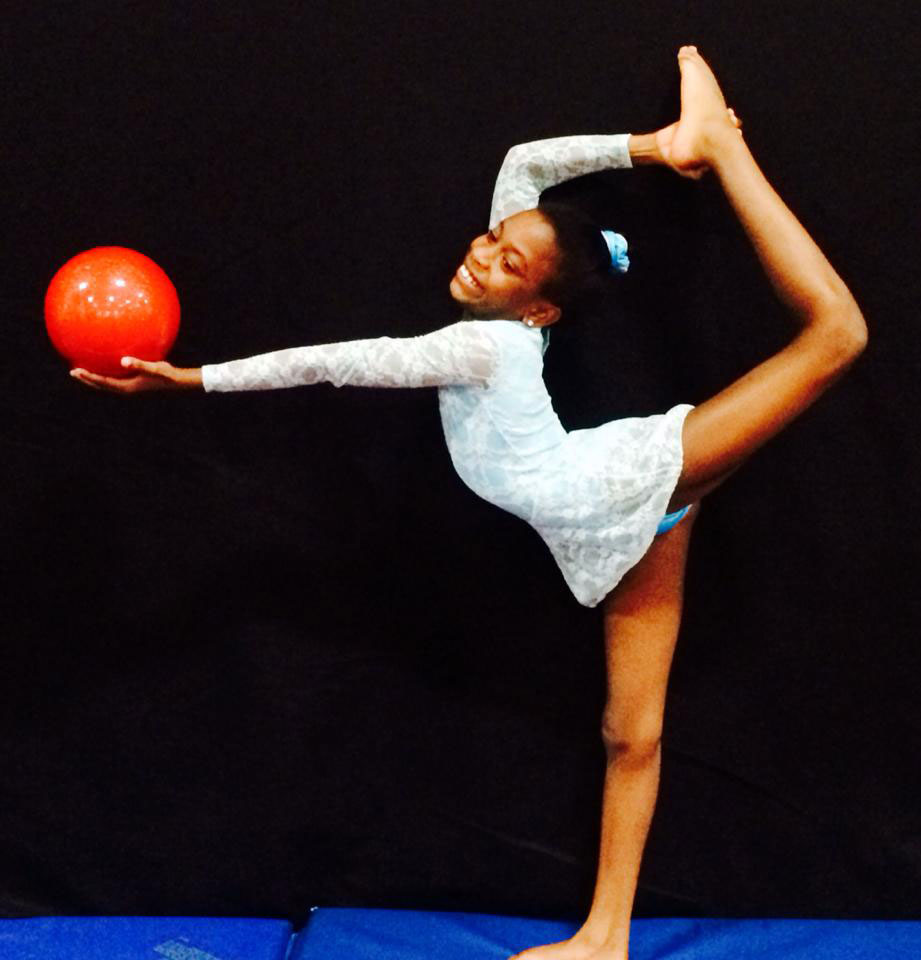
<point x="101" y="382"/>
<point x="145" y="366"/>
<point x="85" y="377"/>
<point x="81" y="375"/>
<point x="153" y="368"/>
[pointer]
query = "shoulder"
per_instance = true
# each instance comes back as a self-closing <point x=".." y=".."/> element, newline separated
<point x="506" y="335"/>
<point x="517" y="348"/>
<point x="513" y="335"/>
<point x="509" y="337"/>
<point x="511" y="331"/>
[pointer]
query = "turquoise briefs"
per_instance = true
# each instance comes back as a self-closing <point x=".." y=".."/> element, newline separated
<point x="670" y="519"/>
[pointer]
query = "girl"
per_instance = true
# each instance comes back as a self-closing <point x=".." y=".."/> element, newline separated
<point x="597" y="497"/>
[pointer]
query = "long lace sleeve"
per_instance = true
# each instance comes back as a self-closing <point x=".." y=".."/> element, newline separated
<point x="463" y="353"/>
<point x="530" y="168"/>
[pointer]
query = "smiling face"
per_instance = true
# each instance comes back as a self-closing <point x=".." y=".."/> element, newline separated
<point x="505" y="270"/>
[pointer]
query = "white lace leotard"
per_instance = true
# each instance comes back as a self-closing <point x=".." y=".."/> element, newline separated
<point x="595" y="496"/>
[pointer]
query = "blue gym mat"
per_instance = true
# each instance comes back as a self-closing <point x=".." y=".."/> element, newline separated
<point x="334" y="933"/>
<point x="143" y="938"/>
<point x="342" y="934"/>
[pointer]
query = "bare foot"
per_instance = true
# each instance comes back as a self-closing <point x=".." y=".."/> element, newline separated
<point x="704" y="119"/>
<point x="663" y="141"/>
<point x="572" y="949"/>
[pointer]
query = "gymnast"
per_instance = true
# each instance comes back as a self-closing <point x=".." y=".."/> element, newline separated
<point x="597" y="497"/>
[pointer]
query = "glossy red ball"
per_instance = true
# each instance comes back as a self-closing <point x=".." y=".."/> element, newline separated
<point x="108" y="303"/>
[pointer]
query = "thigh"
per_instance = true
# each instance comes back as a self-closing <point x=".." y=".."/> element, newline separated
<point x="722" y="432"/>
<point x="642" y="616"/>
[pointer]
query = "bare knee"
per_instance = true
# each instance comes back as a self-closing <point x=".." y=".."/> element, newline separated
<point x="631" y="746"/>
<point x="846" y="333"/>
<point x="721" y="433"/>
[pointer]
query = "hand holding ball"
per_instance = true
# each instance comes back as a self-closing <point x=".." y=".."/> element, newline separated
<point x="111" y="302"/>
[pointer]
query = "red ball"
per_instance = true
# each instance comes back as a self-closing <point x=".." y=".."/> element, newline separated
<point x="108" y="303"/>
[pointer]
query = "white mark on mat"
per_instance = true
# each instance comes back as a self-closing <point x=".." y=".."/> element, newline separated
<point x="181" y="949"/>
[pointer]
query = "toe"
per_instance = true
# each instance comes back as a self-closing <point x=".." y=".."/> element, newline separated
<point x="688" y="54"/>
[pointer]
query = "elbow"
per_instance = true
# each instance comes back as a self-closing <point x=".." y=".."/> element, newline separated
<point x="515" y="155"/>
<point x="512" y="161"/>
<point x="521" y="164"/>
<point x="512" y="166"/>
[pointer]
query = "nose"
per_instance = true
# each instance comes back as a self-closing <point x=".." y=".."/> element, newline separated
<point x="479" y="251"/>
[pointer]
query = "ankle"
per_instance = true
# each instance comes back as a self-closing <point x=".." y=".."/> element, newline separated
<point x="604" y="936"/>
<point x="722" y="144"/>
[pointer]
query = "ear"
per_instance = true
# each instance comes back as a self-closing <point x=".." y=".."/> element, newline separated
<point x="541" y="313"/>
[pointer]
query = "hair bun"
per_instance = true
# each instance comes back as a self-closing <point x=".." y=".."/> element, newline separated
<point x="617" y="248"/>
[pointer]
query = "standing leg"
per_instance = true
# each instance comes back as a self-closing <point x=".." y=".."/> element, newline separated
<point x="641" y="620"/>
<point x="722" y="432"/>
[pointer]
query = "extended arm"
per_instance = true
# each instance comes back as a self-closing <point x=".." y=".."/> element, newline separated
<point x="463" y="353"/>
<point x="460" y="354"/>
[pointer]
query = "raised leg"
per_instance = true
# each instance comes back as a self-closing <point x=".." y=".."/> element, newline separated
<point x="722" y="432"/>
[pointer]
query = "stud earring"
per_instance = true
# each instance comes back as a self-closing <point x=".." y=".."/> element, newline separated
<point x="529" y="322"/>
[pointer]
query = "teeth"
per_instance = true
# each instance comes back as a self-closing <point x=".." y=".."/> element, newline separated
<point x="468" y="276"/>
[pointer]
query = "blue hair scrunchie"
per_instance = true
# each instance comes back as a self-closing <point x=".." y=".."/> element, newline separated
<point x="617" y="248"/>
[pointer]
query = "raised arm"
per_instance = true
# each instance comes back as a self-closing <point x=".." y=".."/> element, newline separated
<point x="531" y="168"/>
<point x="463" y="353"/>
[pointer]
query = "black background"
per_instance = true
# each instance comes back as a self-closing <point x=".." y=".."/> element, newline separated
<point x="265" y="651"/>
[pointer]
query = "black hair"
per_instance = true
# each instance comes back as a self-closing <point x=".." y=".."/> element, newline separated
<point x="585" y="262"/>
